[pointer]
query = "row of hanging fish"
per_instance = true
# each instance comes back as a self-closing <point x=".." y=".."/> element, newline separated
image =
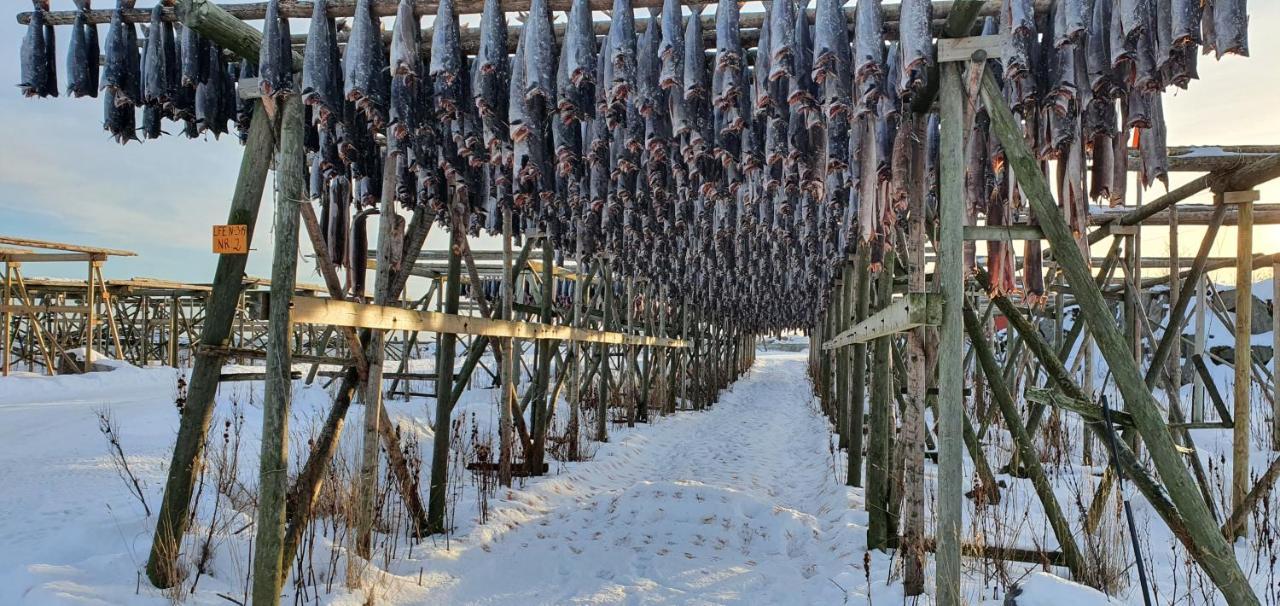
<point x="737" y="180"/>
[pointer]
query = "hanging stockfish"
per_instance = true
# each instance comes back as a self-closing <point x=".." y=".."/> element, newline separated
<point x="358" y="253"/>
<point x="1226" y="27"/>
<point x="244" y="107"/>
<point x="195" y="57"/>
<point x="211" y="95"/>
<point x="805" y="118"/>
<point x="916" y="43"/>
<point x="406" y="68"/>
<point x="122" y="74"/>
<point x="492" y="78"/>
<point x="1072" y="24"/>
<point x="868" y="56"/>
<point x="728" y="89"/>
<point x="1185" y="21"/>
<point x="538" y="176"/>
<point x="831" y="72"/>
<point x="275" y="62"/>
<point x="339" y="205"/>
<point x="671" y="47"/>
<point x="566" y="134"/>
<point x="364" y="68"/>
<point x="322" y="66"/>
<point x="1151" y="145"/>
<point x="154" y="70"/>
<point x="82" y="55"/>
<point x="1018" y="28"/>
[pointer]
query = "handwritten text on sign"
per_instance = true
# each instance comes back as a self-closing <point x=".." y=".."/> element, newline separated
<point x="231" y="239"/>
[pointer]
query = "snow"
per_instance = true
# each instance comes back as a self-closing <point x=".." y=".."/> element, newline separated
<point x="743" y="503"/>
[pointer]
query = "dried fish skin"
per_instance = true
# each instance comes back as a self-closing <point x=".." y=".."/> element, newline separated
<point x="322" y="66"/>
<point x="540" y="58"/>
<point x="275" y="62"/>
<point x="782" y="39"/>
<point x="195" y="57"/>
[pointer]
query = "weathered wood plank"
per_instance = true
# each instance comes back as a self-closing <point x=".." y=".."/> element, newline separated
<point x="910" y="311"/>
<point x="310" y="310"/>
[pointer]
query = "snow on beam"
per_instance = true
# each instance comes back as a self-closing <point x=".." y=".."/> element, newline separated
<point x="910" y="311"/>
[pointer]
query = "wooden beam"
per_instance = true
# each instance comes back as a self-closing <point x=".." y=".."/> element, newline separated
<point x="1007" y="233"/>
<point x="905" y="313"/>
<point x="1219" y="562"/>
<point x="33" y="257"/>
<point x="310" y="310"/>
<point x="46" y="244"/>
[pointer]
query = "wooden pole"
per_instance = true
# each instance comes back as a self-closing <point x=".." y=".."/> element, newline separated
<point x="950" y="268"/>
<point x="841" y="307"/>
<point x="510" y="368"/>
<point x="1221" y="565"/>
<point x="1275" y="359"/>
<point x="6" y="337"/>
<point x="202" y="384"/>
<point x="90" y="322"/>
<point x="1030" y="456"/>
<point x="445" y="352"/>
<point x="1243" y="391"/>
<point x="880" y="448"/>
<point x="858" y="395"/>
<point x="273" y="474"/>
<point x="602" y="389"/>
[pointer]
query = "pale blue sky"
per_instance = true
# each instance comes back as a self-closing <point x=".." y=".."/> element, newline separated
<point x="62" y="178"/>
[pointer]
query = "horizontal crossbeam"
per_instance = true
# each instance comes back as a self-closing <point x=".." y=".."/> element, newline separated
<point x="311" y="310"/>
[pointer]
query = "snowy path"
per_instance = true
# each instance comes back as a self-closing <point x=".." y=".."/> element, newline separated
<point x="734" y="504"/>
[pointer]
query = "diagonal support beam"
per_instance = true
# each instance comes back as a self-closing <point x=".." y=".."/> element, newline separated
<point x="910" y="311"/>
<point x="1219" y="561"/>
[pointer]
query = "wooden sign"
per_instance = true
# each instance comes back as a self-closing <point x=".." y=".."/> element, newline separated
<point x="231" y="239"/>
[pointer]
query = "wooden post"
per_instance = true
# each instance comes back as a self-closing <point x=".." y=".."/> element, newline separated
<point x="1030" y="457"/>
<point x="90" y="321"/>
<point x="840" y="305"/>
<point x="445" y="351"/>
<point x="602" y="389"/>
<point x="510" y="365"/>
<point x="1243" y="391"/>
<point x="950" y="269"/>
<point x="1275" y="356"/>
<point x="202" y="384"/>
<point x="880" y="448"/>
<point x="917" y="370"/>
<point x="1220" y="564"/>
<point x="273" y="474"/>
<point x="543" y="407"/>
<point x="857" y="397"/>
<point x="1197" y="395"/>
<point x="6" y="337"/>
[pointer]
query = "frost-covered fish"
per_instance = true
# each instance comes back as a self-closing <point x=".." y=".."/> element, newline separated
<point x="322" y="66"/>
<point x="1072" y="24"/>
<point x="195" y="57"/>
<point x="275" y="62"/>
<point x="119" y="119"/>
<point x="580" y="43"/>
<point x="782" y="39"/>
<point x="622" y="49"/>
<point x="493" y="70"/>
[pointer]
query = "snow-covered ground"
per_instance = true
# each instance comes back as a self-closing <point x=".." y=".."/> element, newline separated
<point x="739" y="504"/>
